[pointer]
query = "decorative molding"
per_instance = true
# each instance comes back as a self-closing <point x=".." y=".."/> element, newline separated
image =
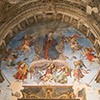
<point x="32" y="9"/>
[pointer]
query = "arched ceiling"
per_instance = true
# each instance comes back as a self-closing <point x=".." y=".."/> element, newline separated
<point x="17" y="16"/>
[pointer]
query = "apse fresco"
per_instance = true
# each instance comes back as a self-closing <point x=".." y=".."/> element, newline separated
<point x="50" y="63"/>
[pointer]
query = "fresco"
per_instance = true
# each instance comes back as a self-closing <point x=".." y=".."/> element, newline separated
<point x="42" y="56"/>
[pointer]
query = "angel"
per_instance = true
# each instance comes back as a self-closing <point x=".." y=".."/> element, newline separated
<point x="24" y="47"/>
<point x="74" y="43"/>
<point x="10" y="57"/>
<point x="79" y="70"/>
<point x="22" y="71"/>
<point x="37" y="75"/>
<point x="90" y="54"/>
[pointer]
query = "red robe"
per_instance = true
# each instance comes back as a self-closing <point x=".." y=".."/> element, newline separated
<point x="90" y="56"/>
<point x="78" y="73"/>
<point x="21" y="74"/>
<point x="49" y="43"/>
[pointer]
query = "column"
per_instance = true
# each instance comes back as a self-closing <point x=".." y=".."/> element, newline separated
<point x="96" y="41"/>
<point x="27" y="22"/>
<point x="71" y="20"/>
<point x="79" y="20"/>
<point x="88" y="32"/>
<point x="63" y="18"/>
<point x="20" y="26"/>
<point x="35" y="18"/>
<point x="55" y="14"/>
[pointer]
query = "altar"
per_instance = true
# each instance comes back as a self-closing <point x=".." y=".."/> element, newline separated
<point x="49" y="93"/>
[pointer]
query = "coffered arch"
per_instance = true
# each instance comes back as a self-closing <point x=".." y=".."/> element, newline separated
<point x="31" y="14"/>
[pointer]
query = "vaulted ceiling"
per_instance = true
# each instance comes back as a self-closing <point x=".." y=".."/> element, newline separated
<point x="17" y="15"/>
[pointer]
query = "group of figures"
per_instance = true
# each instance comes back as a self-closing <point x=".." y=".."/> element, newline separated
<point x="51" y="71"/>
<point x="50" y="47"/>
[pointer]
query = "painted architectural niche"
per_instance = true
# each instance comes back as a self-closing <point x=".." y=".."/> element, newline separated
<point x="50" y="60"/>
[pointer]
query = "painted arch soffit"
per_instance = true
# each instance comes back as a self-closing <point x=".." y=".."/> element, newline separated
<point x="54" y="49"/>
<point x="73" y="16"/>
<point x="52" y="5"/>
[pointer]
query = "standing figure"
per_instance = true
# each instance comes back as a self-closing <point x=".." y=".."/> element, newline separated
<point x="49" y="43"/>
<point x="45" y="46"/>
<point x="51" y="51"/>
<point x="22" y="71"/>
